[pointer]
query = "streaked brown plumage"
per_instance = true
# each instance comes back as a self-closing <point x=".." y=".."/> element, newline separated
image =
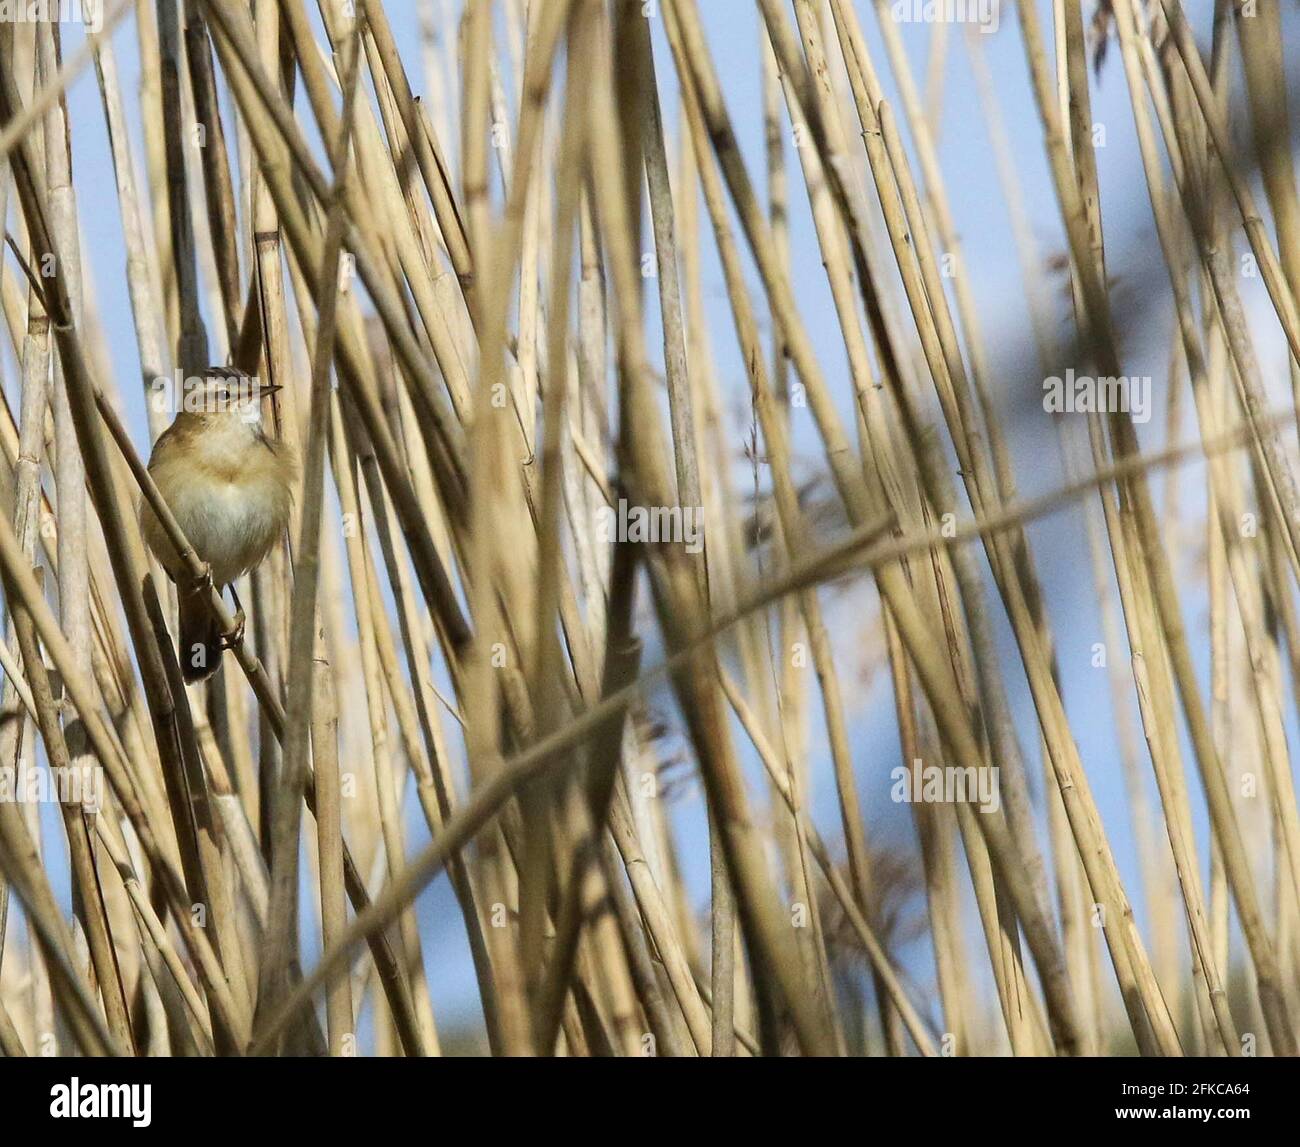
<point x="230" y="487"/>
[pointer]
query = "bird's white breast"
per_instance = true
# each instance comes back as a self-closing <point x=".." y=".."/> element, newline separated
<point x="230" y="501"/>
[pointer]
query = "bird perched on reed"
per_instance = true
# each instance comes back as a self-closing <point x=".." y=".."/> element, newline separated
<point x="230" y="487"/>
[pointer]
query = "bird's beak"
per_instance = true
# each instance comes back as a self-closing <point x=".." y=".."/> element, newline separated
<point x="270" y="389"/>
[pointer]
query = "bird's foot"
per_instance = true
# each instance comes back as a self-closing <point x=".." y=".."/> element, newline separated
<point x="236" y="635"/>
<point x="200" y="584"/>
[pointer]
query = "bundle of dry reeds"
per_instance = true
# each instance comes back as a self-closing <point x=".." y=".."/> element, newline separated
<point x="534" y="558"/>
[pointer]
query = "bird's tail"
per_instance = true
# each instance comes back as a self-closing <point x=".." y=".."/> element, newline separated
<point x="199" y="649"/>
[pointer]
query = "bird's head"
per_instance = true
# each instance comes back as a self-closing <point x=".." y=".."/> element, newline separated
<point x="222" y="391"/>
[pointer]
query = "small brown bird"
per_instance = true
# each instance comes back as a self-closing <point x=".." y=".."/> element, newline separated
<point x="230" y="487"/>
